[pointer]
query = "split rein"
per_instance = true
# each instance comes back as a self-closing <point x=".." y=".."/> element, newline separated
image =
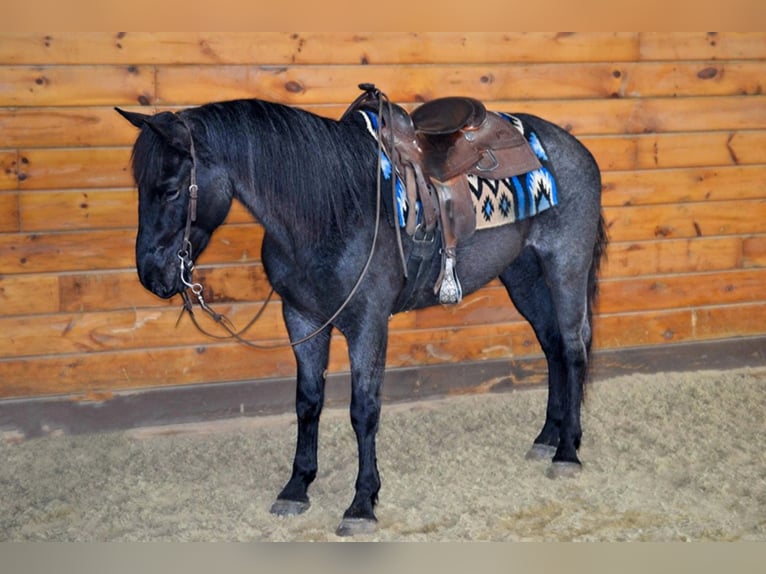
<point x="195" y="289"/>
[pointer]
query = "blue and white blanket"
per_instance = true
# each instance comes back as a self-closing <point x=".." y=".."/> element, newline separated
<point x="496" y="201"/>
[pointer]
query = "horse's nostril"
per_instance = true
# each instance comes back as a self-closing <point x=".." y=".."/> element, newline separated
<point x="164" y="287"/>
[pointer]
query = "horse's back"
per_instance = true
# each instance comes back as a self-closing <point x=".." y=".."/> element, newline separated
<point x="573" y="163"/>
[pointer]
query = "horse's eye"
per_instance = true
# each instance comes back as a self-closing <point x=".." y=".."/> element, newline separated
<point x="172" y="196"/>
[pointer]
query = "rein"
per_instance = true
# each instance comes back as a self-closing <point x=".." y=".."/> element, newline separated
<point x="196" y="289"/>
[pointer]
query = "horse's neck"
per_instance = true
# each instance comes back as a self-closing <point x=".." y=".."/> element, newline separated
<point x="300" y="188"/>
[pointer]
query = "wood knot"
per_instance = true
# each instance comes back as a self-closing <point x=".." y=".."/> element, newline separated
<point x="707" y="73"/>
<point x="294" y="87"/>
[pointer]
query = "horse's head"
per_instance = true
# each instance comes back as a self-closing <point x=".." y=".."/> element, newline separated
<point x="164" y="159"/>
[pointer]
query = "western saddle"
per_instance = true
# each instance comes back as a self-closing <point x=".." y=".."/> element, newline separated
<point x="433" y="150"/>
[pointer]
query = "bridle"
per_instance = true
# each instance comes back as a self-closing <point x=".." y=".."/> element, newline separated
<point x="196" y="290"/>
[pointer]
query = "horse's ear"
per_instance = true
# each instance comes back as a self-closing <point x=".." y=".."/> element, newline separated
<point x="134" y="118"/>
<point x="165" y="124"/>
<point x="171" y="129"/>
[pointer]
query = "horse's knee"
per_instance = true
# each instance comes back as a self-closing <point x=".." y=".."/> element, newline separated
<point x="308" y="401"/>
<point x="365" y="415"/>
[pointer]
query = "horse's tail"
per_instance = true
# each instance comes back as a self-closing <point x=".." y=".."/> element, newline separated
<point x="599" y="255"/>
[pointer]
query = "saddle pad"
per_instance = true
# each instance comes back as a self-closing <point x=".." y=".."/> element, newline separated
<point x="502" y="201"/>
<point x="496" y="201"/>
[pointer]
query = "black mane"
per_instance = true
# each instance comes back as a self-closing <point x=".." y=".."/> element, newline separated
<point x="319" y="169"/>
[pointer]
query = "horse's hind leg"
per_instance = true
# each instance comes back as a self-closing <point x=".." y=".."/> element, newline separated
<point x="557" y="310"/>
<point x="312" y="357"/>
<point x="526" y="285"/>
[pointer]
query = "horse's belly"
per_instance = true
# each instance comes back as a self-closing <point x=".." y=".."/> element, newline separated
<point x="480" y="259"/>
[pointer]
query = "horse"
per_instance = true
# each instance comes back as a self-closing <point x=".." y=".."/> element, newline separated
<point x="331" y="253"/>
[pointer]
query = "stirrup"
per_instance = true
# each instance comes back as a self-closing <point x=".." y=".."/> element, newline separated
<point x="450" y="291"/>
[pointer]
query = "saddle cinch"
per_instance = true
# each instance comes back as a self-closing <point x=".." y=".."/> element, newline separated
<point x="433" y="150"/>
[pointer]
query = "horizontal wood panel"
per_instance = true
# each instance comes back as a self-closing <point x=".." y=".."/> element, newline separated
<point x="93" y="250"/>
<point x="16" y="295"/>
<point x="8" y="164"/>
<point x="9" y="211"/>
<point x="684" y="185"/>
<point x="333" y="48"/>
<point x="754" y="251"/>
<point x="730" y="321"/>
<point x="633" y="329"/>
<point x="317" y="84"/>
<point x="676" y="79"/>
<point x="632" y="259"/>
<point x="105" y="290"/>
<point x="701" y="149"/>
<point x="88" y="126"/>
<point x="375" y="48"/>
<point x="70" y="333"/>
<point x="679" y="291"/>
<point x="75" y="168"/>
<point x="702" y="45"/>
<point x="139" y="369"/>
<point x="673" y="150"/>
<point x="646" y="115"/>
<point x="120" y="290"/>
<point x="643" y="222"/>
<point x="338" y="84"/>
<point x="679" y="326"/>
<point x="696" y="114"/>
<point x="76" y="85"/>
<point x="81" y="209"/>
<point x="112" y="249"/>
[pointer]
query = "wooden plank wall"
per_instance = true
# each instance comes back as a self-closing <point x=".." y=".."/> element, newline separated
<point x="677" y="122"/>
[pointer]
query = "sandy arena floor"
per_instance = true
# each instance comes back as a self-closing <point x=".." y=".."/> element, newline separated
<point x="675" y="456"/>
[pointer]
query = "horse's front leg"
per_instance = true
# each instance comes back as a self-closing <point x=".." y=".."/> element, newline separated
<point x="312" y="357"/>
<point x="367" y="351"/>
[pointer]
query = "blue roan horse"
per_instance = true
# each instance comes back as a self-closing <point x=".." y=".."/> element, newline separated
<point x="312" y="182"/>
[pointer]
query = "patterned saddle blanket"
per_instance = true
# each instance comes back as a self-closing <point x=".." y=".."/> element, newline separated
<point x="496" y="201"/>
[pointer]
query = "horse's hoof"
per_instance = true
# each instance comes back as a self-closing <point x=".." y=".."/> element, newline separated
<point x="354" y="526"/>
<point x="563" y="470"/>
<point x="289" y="507"/>
<point x="541" y="452"/>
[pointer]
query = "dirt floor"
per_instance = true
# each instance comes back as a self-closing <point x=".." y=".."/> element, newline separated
<point x="675" y="456"/>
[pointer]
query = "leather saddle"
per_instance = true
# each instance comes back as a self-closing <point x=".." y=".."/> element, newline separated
<point x="434" y="149"/>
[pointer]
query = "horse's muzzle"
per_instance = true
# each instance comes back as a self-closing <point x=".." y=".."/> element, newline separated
<point x="159" y="276"/>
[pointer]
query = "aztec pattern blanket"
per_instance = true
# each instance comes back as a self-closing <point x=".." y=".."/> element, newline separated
<point x="496" y="201"/>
